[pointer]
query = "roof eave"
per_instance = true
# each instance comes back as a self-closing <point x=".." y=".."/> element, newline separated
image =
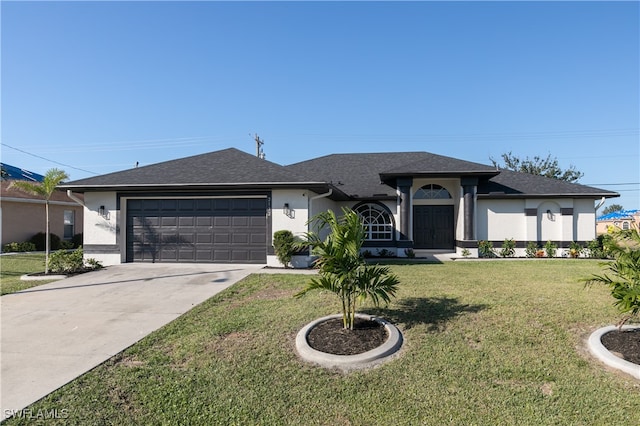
<point x="550" y="195"/>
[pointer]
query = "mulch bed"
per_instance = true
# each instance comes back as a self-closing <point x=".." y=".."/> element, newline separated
<point x="330" y="337"/>
<point x="626" y="343"/>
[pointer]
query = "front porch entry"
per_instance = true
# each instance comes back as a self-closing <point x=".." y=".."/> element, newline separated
<point x="433" y="227"/>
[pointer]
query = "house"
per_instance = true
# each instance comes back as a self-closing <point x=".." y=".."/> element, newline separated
<point x="224" y="206"/>
<point x="623" y="219"/>
<point x="22" y="215"/>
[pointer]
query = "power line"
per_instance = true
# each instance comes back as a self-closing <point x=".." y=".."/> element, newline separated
<point x="47" y="159"/>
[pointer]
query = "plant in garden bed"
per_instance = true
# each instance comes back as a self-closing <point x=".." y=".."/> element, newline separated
<point x="485" y="249"/>
<point x="65" y="262"/>
<point x="508" y="248"/>
<point x="624" y="281"/>
<point x="341" y="267"/>
<point x="575" y="250"/>
<point x="531" y="250"/>
<point x="284" y="244"/>
<point x="550" y="249"/>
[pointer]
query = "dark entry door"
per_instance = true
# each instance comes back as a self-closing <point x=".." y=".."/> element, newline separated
<point x="433" y="227"/>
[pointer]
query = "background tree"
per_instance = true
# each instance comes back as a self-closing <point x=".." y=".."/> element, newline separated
<point x="44" y="189"/>
<point x="547" y="167"/>
<point x="612" y="208"/>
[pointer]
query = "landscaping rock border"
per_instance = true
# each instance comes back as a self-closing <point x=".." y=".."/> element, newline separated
<point x="603" y="354"/>
<point x="368" y="359"/>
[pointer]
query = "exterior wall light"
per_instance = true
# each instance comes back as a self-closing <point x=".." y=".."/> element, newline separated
<point x="103" y="213"/>
<point x="288" y="211"/>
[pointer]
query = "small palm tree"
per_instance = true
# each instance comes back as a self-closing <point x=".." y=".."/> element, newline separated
<point x="342" y="269"/>
<point x="44" y="189"/>
<point x="624" y="282"/>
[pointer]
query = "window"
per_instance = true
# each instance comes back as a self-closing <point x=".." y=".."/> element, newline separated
<point x="625" y="225"/>
<point x="432" y="192"/>
<point x="377" y="222"/>
<point x="69" y="221"/>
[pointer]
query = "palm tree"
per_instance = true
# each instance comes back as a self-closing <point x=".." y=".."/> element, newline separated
<point x="342" y="269"/>
<point x="624" y="281"/>
<point x="44" y="189"/>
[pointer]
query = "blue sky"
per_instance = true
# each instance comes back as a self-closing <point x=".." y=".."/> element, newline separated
<point x="94" y="87"/>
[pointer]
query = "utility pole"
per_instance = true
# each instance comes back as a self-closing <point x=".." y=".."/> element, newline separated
<point x="259" y="150"/>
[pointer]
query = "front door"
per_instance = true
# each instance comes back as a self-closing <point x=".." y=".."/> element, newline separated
<point x="433" y="227"/>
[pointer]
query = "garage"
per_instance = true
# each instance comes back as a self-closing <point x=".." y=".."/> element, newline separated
<point x="219" y="230"/>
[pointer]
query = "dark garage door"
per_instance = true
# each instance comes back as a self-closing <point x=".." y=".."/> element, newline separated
<point x="197" y="230"/>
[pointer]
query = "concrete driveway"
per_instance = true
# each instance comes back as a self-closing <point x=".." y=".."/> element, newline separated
<point x="53" y="333"/>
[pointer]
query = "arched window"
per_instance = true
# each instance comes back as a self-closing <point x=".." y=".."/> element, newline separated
<point x="625" y="225"/>
<point x="377" y="222"/>
<point x="432" y="192"/>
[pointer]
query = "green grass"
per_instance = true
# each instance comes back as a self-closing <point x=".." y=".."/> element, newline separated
<point x="13" y="266"/>
<point x="486" y="343"/>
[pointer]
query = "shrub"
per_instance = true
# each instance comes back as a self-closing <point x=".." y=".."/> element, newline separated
<point x="385" y="253"/>
<point x="508" y="248"/>
<point x="284" y="244"/>
<point x="77" y="240"/>
<point x="597" y="248"/>
<point x="575" y="250"/>
<point x="66" y="244"/>
<point x="410" y="253"/>
<point x="466" y="252"/>
<point x="65" y="262"/>
<point x="550" y="249"/>
<point x="39" y="241"/>
<point x="531" y="250"/>
<point x="625" y="270"/>
<point x="485" y="249"/>
<point x="19" y="247"/>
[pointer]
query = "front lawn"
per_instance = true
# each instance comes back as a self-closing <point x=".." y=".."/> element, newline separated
<point x="13" y="266"/>
<point x="486" y="343"/>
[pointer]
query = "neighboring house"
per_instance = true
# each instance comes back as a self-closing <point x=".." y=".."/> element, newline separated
<point x="623" y="219"/>
<point x="22" y="215"/>
<point x="224" y="206"/>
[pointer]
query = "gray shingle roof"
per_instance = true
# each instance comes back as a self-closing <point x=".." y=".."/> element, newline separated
<point x="361" y="175"/>
<point x="357" y="176"/>
<point x="509" y="184"/>
<point x="219" y="168"/>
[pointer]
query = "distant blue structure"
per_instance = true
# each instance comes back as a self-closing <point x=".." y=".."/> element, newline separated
<point x="16" y="173"/>
<point x="619" y="215"/>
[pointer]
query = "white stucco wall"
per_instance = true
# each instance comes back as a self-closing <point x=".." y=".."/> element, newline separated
<point x="101" y="230"/>
<point x="585" y="219"/>
<point x="498" y="220"/>
<point x="502" y="219"/>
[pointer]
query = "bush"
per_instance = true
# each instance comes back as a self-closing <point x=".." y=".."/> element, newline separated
<point x="485" y="249"/>
<point x="532" y="249"/>
<point x="39" y="241"/>
<point x="597" y="248"/>
<point x="284" y="244"/>
<point x="550" y="249"/>
<point x="18" y="247"/>
<point x="66" y="244"/>
<point x="77" y="240"/>
<point x="575" y="250"/>
<point x="65" y="262"/>
<point x="508" y="248"/>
